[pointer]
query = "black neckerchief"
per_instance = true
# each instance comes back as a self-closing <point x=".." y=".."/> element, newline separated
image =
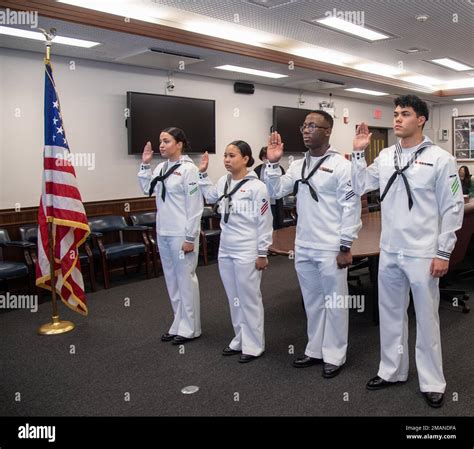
<point x="399" y="171"/>
<point x="304" y="180"/>
<point x="228" y="196"/>
<point x="161" y="178"/>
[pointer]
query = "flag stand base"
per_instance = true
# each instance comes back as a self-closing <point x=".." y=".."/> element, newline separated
<point x="56" y="327"/>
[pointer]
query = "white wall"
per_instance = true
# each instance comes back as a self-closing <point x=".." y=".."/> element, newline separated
<point x="93" y="101"/>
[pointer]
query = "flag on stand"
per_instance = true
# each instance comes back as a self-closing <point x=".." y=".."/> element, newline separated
<point x="60" y="204"/>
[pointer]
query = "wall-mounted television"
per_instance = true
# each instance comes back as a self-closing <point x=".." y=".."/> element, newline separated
<point x="149" y="114"/>
<point x="287" y="122"/>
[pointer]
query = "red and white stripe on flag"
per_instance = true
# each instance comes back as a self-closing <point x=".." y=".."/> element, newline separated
<point x="61" y="205"/>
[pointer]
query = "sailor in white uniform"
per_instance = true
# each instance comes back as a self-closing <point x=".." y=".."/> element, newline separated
<point x="179" y="208"/>
<point x="328" y="222"/>
<point x="422" y="207"/>
<point x="246" y="223"/>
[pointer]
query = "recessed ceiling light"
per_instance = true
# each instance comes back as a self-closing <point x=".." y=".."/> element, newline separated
<point x="412" y="50"/>
<point x="234" y="68"/>
<point x="464" y="99"/>
<point x="451" y="64"/>
<point x="366" y="91"/>
<point x="422" y="17"/>
<point x="16" y="32"/>
<point x="351" y="28"/>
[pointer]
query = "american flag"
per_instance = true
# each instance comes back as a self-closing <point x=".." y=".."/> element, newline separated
<point x="60" y="204"/>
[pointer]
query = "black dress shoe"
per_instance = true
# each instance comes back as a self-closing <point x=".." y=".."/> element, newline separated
<point x="178" y="340"/>
<point x="167" y="337"/>
<point x="229" y="351"/>
<point x="330" y="370"/>
<point x="303" y="362"/>
<point x="434" y="399"/>
<point x="377" y="383"/>
<point x="245" y="358"/>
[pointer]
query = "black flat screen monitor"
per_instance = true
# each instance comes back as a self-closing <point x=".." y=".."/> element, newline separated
<point x="149" y="114"/>
<point x="287" y="122"/>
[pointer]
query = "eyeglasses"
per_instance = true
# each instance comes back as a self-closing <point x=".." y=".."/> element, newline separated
<point x="311" y="127"/>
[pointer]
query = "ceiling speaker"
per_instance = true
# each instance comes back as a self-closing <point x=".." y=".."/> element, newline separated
<point x="244" y="88"/>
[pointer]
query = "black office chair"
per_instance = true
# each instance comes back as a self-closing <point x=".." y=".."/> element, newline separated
<point x="110" y="245"/>
<point x="290" y="216"/>
<point x="373" y="200"/>
<point x="15" y="261"/>
<point x="209" y="232"/>
<point x="29" y="233"/>
<point x="360" y="263"/>
<point x="148" y="219"/>
<point x="458" y="298"/>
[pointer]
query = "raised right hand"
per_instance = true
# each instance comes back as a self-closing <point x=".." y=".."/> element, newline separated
<point x="204" y="162"/>
<point x="274" y="147"/>
<point x="362" y="137"/>
<point x="147" y="155"/>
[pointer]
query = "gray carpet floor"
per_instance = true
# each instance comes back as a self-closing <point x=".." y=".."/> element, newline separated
<point x="114" y="364"/>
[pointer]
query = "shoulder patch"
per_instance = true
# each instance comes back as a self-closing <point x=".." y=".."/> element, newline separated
<point x="455" y="186"/>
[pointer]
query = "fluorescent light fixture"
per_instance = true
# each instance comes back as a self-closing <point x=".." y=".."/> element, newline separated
<point x="234" y="68"/>
<point x="16" y="32"/>
<point x="422" y="80"/>
<point x="324" y="55"/>
<point x="452" y="64"/>
<point x="366" y="91"/>
<point x="464" y="99"/>
<point x="146" y="10"/>
<point x="379" y="69"/>
<point x="231" y="32"/>
<point x="351" y="28"/>
<point x="458" y="84"/>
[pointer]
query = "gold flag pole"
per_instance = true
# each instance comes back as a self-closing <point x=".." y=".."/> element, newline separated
<point x="56" y="326"/>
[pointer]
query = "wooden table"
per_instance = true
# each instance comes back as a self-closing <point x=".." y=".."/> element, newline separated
<point x="367" y="245"/>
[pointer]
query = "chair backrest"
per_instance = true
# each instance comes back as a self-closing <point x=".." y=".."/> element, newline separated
<point x="464" y="237"/>
<point x="289" y="201"/>
<point x="107" y="223"/>
<point x="29" y="233"/>
<point x="144" y="219"/>
<point x="207" y="212"/>
<point x="4" y="237"/>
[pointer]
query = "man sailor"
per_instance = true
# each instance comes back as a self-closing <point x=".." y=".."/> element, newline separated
<point x="328" y="221"/>
<point x="422" y="207"/>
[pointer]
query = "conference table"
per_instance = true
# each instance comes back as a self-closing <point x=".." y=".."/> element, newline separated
<point x="366" y="246"/>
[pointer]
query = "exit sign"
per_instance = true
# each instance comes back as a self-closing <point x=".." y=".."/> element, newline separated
<point x="378" y="114"/>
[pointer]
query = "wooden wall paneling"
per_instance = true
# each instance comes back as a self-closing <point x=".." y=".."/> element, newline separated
<point x="11" y="220"/>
